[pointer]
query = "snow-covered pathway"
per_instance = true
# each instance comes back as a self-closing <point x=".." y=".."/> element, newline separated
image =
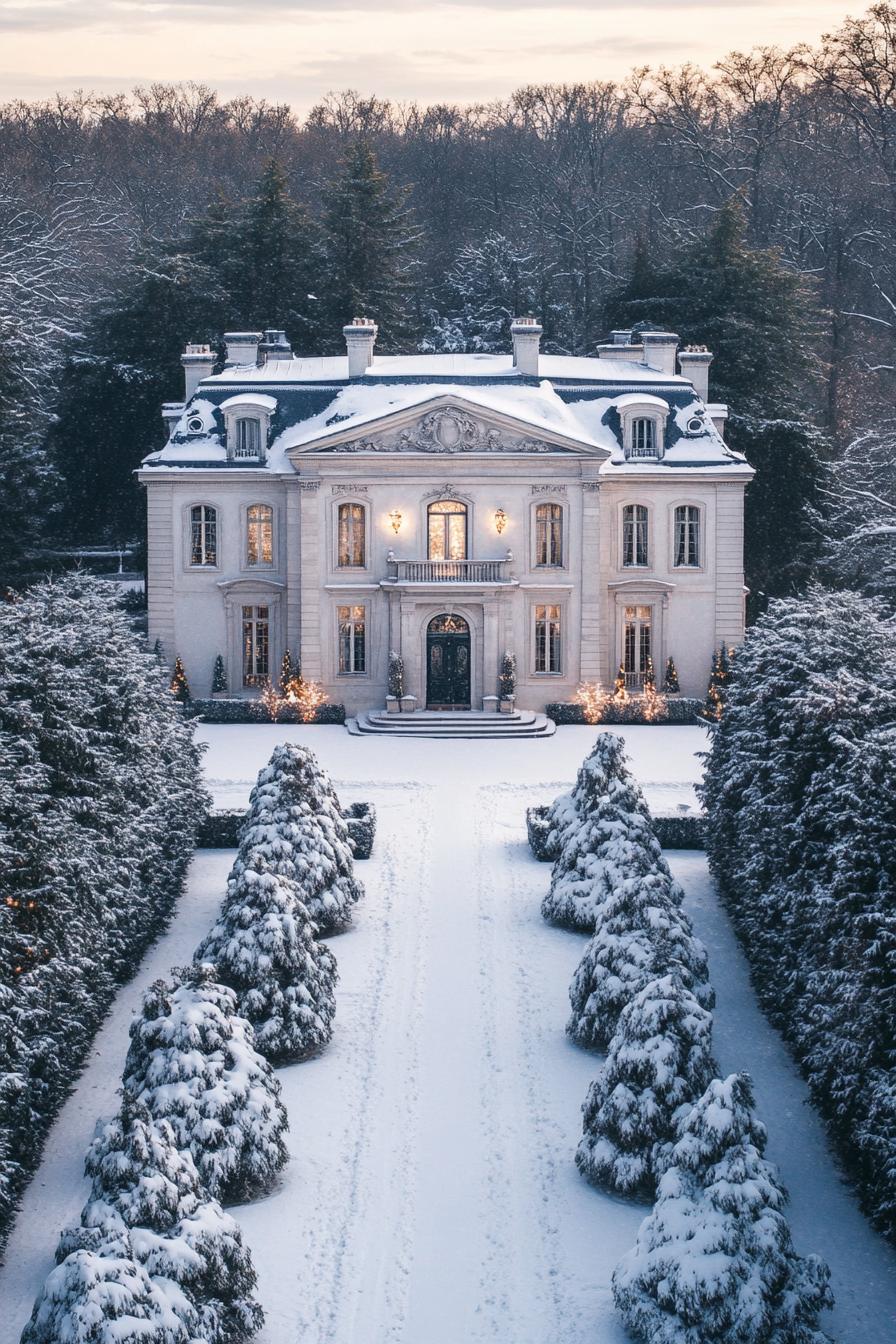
<point x="432" y="1193"/>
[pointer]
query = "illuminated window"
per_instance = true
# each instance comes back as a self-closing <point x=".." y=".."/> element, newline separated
<point x="259" y="536"/>
<point x="547" y="639"/>
<point x="549" y="535"/>
<point x="447" y="520"/>
<point x="634" y="535"/>
<point x="256" y="645"/>
<point x="203" y="535"/>
<point x="352" y="536"/>
<point x="352" y="640"/>
<point x="636" y="645"/>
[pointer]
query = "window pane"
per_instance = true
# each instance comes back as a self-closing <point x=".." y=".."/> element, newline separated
<point x="260" y="535"/>
<point x="643" y="443"/>
<point x="447" y="519"/>
<point x="352" y="643"/>
<point x="634" y="534"/>
<point x="256" y="647"/>
<point x="248" y="438"/>
<point x="687" y="535"/>
<point x="352" y="539"/>
<point x="549" y="534"/>
<point x="203" y="535"/>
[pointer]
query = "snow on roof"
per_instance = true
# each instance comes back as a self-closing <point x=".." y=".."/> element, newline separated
<point x="641" y="399"/>
<point x="259" y="400"/>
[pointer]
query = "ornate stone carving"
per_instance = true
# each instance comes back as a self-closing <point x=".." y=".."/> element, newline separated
<point x="549" y="489"/>
<point x="350" y="488"/>
<point x="448" y="431"/>
<point x="591" y="485"/>
<point x="308" y="485"/>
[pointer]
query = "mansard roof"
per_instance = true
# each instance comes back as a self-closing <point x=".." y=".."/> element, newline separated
<point x="573" y="405"/>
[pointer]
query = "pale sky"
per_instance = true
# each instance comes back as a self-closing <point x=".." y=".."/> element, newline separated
<point x="454" y="50"/>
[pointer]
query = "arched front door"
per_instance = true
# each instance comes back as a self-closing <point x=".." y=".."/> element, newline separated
<point x="448" y="663"/>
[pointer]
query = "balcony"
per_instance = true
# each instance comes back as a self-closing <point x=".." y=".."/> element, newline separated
<point x="449" y="571"/>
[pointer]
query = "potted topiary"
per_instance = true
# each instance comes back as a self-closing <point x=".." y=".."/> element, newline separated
<point x="179" y="686"/>
<point x="670" y="680"/>
<point x="219" y="680"/>
<point x="395" y="684"/>
<point x="507" y="682"/>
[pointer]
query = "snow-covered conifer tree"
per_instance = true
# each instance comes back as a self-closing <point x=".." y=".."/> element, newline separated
<point x="659" y="1063"/>
<point x="641" y="934"/>
<point x="104" y="1298"/>
<point x="605" y="836"/>
<point x="296" y="825"/>
<point x="714" y="1262"/>
<point x="264" y="948"/>
<point x="193" y="1061"/>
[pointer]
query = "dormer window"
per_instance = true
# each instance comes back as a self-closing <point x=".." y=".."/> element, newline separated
<point x="643" y="423"/>
<point x="248" y="437"/>
<point x="247" y="418"/>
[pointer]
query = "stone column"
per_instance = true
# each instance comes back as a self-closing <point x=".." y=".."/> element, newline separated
<point x="591" y="660"/>
<point x="491" y="653"/>
<point x="292" y="633"/>
<point x="310" y="580"/>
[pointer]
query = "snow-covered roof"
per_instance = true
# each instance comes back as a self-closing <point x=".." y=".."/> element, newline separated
<point x="313" y="402"/>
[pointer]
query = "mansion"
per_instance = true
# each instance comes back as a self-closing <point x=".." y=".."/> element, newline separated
<point x="577" y="512"/>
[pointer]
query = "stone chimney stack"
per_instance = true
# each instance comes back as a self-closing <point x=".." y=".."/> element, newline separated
<point x="660" y="348"/>
<point x="274" y="345"/>
<point x="242" y="347"/>
<point x="198" y="362"/>
<point x="526" y="333"/>
<point x="694" y="362"/>
<point x="360" y="338"/>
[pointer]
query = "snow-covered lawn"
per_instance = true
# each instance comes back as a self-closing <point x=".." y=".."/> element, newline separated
<point x="432" y="1193"/>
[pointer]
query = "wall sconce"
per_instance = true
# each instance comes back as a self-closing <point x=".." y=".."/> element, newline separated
<point x="395" y="520"/>
<point x="500" y="521"/>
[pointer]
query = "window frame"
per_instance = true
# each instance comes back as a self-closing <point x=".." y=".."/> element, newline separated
<point x="433" y="504"/>
<point x="637" y="604"/>
<point x="364" y="607"/>
<point x="633" y="413"/>
<point x="548" y="606"/>
<point x="259" y="565"/>
<point x="254" y="680"/>
<point x="560" y="520"/>
<point x="699" y="564"/>
<point x="647" y="521"/>
<point x="215" y="522"/>
<point x="351" y="504"/>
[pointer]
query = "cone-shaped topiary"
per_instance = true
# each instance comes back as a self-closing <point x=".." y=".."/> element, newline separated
<point x="670" y="680"/>
<point x="179" y="686"/>
<point x="660" y="1060"/>
<point x="219" y="677"/>
<point x="193" y="1061"/>
<point x="605" y="837"/>
<point x="641" y="934"/>
<point x="263" y="947"/>
<point x="296" y="825"/>
<point x="714" y="1262"/>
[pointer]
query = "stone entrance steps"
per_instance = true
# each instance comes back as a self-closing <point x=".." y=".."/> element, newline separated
<point x="461" y="723"/>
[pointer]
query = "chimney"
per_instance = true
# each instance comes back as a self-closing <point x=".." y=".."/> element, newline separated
<point x="660" y="348"/>
<point x="242" y="347"/>
<point x="526" y="333"/>
<point x="274" y="345"/>
<point x="360" y="338"/>
<point x="621" y="337"/>
<point x="198" y="362"/>
<point x="694" y="362"/>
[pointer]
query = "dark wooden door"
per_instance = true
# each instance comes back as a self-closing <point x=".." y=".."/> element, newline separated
<point x="448" y="663"/>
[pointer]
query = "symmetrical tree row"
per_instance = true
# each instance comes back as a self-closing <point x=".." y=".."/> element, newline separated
<point x="154" y="1255"/>
<point x="714" y="1261"/>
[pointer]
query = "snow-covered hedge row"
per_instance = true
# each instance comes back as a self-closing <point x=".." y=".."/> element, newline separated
<point x="673" y="832"/>
<point x="801" y="838"/>
<point x="221" y="830"/>
<point x="100" y="797"/>
<point x="254" y="711"/>
<point x="679" y="709"/>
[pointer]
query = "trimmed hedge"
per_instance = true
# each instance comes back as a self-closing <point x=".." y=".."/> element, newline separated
<point x="253" y="711"/>
<point x="680" y="709"/>
<point x="220" y="830"/>
<point x="673" y="832"/>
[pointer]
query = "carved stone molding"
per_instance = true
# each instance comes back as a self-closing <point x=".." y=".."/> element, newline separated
<point x="549" y="489"/>
<point x="447" y="431"/>
<point x="591" y="485"/>
<point x="350" y="488"/>
<point x="308" y="485"/>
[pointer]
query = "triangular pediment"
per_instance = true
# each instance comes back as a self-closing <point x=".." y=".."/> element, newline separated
<point x="448" y="424"/>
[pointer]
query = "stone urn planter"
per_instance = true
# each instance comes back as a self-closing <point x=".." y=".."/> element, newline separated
<point x="490" y="704"/>
<point x="393" y="704"/>
<point x="408" y="704"/>
<point x="507" y="703"/>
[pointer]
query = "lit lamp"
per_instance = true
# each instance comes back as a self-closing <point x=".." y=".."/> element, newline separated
<point x="500" y="521"/>
<point x="395" y="520"/>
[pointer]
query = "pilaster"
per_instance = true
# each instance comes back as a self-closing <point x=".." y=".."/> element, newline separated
<point x="310" y="579"/>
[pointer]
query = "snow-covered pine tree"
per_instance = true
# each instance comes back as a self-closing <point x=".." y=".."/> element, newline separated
<point x="670" y="680"/>
<point x="147" y="1202"/>
<point x="640" y="934"/>
<point x="491" y="282"/>
<point x="180" y="686"/>
<point x="263" y="947"/>
<point x="102" y="1298"/>
<point x="714" y="1262"/>
<point x="605" y="836"/>
<point x="659" y="1063"/>
<point x="219" y="677"/>
<point x="192" y="1061"/>
<point x="295" y="825"/>
<point x="799" y="812"/>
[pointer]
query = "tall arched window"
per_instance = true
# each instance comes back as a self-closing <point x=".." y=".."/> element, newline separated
<point x="549" y="535"/>
<point x="203" y="535"/>
<point x="352" y="543"/>
<point x="447" y="520"/>
<point x="259" y="536"/>
<point x="634" y="535"/>
<point x="248" y="437"/>
<point x="687" y="536"/>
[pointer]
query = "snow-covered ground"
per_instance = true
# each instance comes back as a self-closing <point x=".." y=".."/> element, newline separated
<point x="432" y="1193"/>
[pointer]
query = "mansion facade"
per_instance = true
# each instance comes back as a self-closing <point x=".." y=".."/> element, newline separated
<point x="577" y="512"/>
